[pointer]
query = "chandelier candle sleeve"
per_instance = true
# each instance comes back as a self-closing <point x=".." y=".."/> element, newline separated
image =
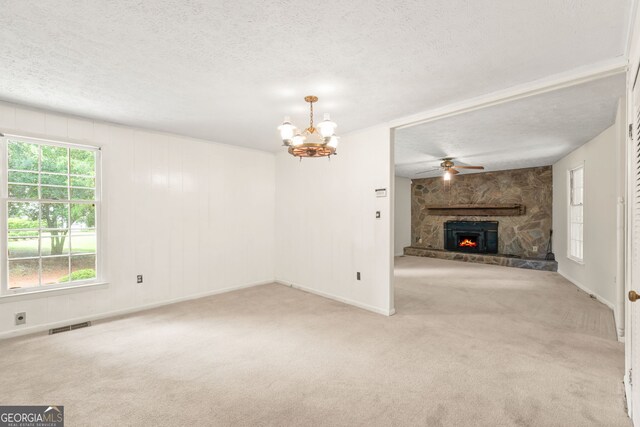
<point x="312" y="141"/>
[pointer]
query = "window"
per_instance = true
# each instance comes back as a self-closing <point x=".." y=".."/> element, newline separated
<point x="51" y="212"/>
<point x="576" y="208"/>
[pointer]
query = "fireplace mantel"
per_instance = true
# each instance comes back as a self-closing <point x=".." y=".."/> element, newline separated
<point x="476" y="210"/>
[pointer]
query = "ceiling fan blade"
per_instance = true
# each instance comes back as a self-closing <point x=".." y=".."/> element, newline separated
<point x="470" y="167"/>
<point x="452" y="171"/>
<point x="428" y="170"/>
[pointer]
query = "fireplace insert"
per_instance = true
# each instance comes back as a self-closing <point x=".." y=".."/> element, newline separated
<point x="471" y="236"/>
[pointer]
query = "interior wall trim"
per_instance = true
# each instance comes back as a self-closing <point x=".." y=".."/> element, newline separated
<point x="337" y="298"/>
<point x="115" y="313"/>
<point x="574" y="77"/>
<point x="596" y="296"/>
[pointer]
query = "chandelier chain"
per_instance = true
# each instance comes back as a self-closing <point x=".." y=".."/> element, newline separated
<point x="311" y="115"/>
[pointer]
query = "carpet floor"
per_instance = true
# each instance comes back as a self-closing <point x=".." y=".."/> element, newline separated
<point x="470" y="344"/>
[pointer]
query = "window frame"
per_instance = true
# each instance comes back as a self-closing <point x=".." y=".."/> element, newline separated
<point x="569" y="208"/>
<point x="5" y="199"/>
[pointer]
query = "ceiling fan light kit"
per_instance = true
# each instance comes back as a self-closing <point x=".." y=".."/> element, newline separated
<point x="450" y="168"/>
<point x="312" y="141"/>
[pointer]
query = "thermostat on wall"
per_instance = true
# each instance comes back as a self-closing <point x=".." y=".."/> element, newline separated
<point x="381" y="192"/>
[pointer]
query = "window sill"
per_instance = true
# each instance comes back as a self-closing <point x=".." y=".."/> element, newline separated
<point x="42" y="293"/>
<point x="576" y="260"/>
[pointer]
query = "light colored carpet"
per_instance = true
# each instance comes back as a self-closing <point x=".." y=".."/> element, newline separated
<point x="470" y="345"/>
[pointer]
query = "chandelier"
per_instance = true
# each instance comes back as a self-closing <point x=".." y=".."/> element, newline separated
<point x="311" y="142"/>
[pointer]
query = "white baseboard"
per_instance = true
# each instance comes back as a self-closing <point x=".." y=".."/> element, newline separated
<point x="116" y="313"/>
<point x="598" y="297"/>
<point x="367" y="307"/>
<point x="587" y="290"/>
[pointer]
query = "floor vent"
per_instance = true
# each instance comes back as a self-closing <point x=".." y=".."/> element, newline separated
<point x="69" y="328"/>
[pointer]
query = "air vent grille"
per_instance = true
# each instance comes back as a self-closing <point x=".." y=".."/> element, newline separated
<point x="69" y="328"/>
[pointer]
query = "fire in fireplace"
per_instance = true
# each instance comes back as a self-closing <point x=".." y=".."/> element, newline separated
<point x="471" y="236"/>
<point x="468" y="242"/>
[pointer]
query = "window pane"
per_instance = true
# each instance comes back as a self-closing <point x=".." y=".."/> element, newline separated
<point x="578" y="177"/>
<point x="83" y="162"/>
<point x="81" y="181"/>
<point x="52" y="179"/>
<point x="54" y="159"/>
<point x="83" y="216"/>
<point x="22" y="247"/>
<point x="23" y="177"/>
<point x="23" y="156"/>
<point x="54" y="193"/>
<point x="578" y="196"/>
<point x="23" y="234"/>
<point x="83" y="243"/>
<point x="55" y="215"/>
<point x="577" y="184"/>
<point x="23" y="215"/>
<point x="18" y="191"/>
<point x="23" y="273"/>
<point x="83" y="267"/>
<point x="82" y="194"/>
<point x="55" y="270"/>
<point x="54" y="243"/>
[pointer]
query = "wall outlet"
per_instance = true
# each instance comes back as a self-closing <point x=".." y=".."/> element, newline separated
<point x="358" y="275"/>
<point x="535" y="249"/>
<point x="21" y="318"/>
<point x="139" y="278"/>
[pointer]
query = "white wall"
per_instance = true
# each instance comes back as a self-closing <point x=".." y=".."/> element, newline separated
<point x="402" y="216"/>
<point x="602" y="158"/>
<point x="325" y="221"/>
<point x="193" y="217"/>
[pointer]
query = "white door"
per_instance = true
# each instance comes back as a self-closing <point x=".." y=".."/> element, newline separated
<point x="633" y="304"/>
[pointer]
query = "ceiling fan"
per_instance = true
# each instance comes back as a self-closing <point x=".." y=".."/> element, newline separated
<point x="450" y="168"/>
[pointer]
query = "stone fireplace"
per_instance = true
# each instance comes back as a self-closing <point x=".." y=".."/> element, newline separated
<point x="501" y="217"/>
<point x="471" y="236"/>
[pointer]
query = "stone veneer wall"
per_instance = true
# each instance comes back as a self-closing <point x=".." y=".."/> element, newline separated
<point x="531" y="187"/>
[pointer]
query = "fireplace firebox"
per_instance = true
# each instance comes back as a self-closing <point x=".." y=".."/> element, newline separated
<point x="471" y="236"/>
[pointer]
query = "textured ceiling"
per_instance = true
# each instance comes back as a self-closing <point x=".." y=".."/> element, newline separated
<point x="228" y="71"/>
<point x="534" y="131"/>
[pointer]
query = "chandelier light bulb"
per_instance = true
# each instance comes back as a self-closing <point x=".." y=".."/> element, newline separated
<point x="333" y="142"/>
<point x="327" y="127"/>
<point x="447" y="176"/>
<point x="286" y="129"/>
<point x="298" y="140"/>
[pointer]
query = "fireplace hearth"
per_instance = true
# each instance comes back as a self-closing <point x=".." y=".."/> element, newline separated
<point x="471" y="236"/>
